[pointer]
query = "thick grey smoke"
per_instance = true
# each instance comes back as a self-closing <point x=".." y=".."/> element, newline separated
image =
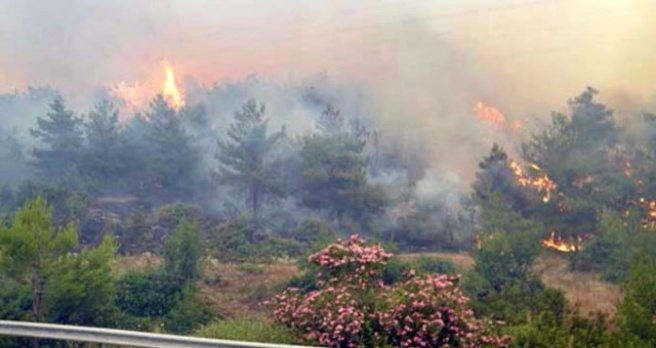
<point x="412" y="70"/>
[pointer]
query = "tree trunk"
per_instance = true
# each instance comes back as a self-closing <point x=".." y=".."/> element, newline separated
<point x="255" y="212"/>
<point x="37" y="296"/>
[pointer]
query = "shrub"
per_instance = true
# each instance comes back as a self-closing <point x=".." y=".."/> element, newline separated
<point x="397" y="269"/>
<point x="353" y="307"/>
<point x="425" y="264"/>
<point x="187" y="314"/>
<point x="150" y="294"/>
<point x="231" y="244"/>
<point x="249" y="329"/>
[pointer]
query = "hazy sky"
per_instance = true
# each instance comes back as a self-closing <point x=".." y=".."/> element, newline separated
<point x="546" y="46"/>
<point x="424" y="64"/>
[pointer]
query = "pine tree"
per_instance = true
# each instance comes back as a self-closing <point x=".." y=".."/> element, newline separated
<point x="245" y="157"/>
<point x="61" y="136"/>
<point x="334" y="171"/>
<point x="173" y="160"/>
<point x="103" y="159"/>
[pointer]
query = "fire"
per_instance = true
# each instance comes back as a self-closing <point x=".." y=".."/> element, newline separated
<point x="649" y="221"/>
<point x="489" y="113"/>
<point x="541" y="182"/>
<point x="170" y="89"/>
<point x="556" y="242"/>
<point x="134" y="95"/>
<point x="493" y="116"/>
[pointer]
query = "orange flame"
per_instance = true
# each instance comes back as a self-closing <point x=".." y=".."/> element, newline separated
<point x="134" y="96"/>
<point x="541" y="183"/>
<point x="493" y="116"/>
<point x="488" y="113"/>
<point x="556" y="242"/>
<point x="170" y="89"/>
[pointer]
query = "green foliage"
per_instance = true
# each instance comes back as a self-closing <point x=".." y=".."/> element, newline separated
<point x="616" y="244"/>
<point x="231" y="243"/>
<point x="571" y="331"/>
<point x="104" y="159"/>
<point x="171" y="160"/>
<point x="61" y="136"/>
<point x="637" y="312"/>
<point x="183" y="252"/>
<point x="396" y="269"/>
<point x="250" y="268"/>
<point x="15" y="300"/>
<point x="149" y="294"/>
<point x="187" y="314"/>
<point x="425" y="264"/>
<point x="171" y="215"/>
<point x="245" y="158"/>
<point x="81" y="289"/>
<point x="335" y="176"/>
<point x="502" y="283"/>
<point x="314" y="234"/>
<point x="249" y="329"/>
<point x="32" y="247"/>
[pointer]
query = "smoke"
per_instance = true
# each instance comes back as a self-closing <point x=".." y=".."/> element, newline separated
<point x="413" y="70"/>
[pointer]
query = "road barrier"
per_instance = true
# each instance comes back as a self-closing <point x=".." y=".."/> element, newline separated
<point x="121" y="337"/>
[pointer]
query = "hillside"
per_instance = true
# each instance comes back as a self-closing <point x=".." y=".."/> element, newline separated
<point x="236" y="289"/>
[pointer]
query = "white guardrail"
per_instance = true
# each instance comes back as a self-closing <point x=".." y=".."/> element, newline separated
<point x="120" y="337"/>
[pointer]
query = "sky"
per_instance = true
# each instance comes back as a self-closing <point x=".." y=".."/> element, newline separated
<point x="564" y="45"/>
<point x="423" y="64"/>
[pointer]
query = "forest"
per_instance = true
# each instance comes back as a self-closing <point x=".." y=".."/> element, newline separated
<point x="228" y="181"/>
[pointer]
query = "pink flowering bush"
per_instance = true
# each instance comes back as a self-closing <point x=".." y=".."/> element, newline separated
<point x="431" y="311"/>
<point x="353" y="308"/>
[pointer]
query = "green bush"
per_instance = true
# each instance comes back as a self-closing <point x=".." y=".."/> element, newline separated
<point x="425" y="264"/>
<point x="637" y="312"/>
<point x="231" y="244"/>
<point x="396" y="268"/>
<point x="249" y="329"/>
<point x="187" y="314"/>
<point x="275" y="247"/>
<point x="572" y="331"/>
<point x="149" y="294"/>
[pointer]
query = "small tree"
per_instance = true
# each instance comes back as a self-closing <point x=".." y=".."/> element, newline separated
<point x="245" y="157"/>
<point x="637" y="313"/>
<point x="183" y="253"/>
<point x="82" y="288"/>
<point x="32" y="247"/>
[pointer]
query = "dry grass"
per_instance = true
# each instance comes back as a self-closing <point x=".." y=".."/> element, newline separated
<point x="462" y="260"/>
<point x="137" y="263"/>
<point x="585" y="290"/>
<point x="227" y="288"/>
<point x="232" y="291"/>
